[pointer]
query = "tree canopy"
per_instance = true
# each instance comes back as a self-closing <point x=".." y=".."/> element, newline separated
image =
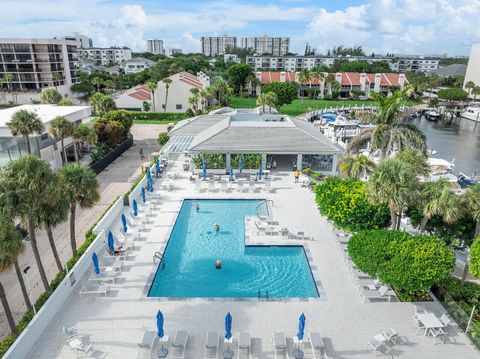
<point x="453" y="94"/>
<point x="286" y="92"/>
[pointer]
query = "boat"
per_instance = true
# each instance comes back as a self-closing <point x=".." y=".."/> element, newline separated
<point x="471" y="113"/>
<point x="464" y="181"/>
<point x="432" y="115"/>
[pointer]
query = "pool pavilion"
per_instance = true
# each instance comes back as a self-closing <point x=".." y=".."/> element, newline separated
<point x="279" y="141"/>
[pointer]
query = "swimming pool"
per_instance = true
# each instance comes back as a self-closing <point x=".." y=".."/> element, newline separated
<point x="189" y="259"/>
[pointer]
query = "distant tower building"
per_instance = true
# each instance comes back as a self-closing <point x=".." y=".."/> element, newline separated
<point x="155" y="46"/>
<point x="83" y="42"/>
<point x="473" y="68"/>
<point x="216" y="45"/>
<point x="276" y="46"/>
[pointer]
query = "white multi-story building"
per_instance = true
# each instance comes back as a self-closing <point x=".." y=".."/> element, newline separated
<point x="35" y="64"/>
<point x="230" y="58"/>
<point x="276" y="46"/>
<point x="155" y="46"/>
<point x="106" y="56"/>
<point x="216" y="45"/>
<point x="83" y="42"/>
<point x="136" y="64"/>
<point x="473" y="67"/>
<point x="298" y="63"/>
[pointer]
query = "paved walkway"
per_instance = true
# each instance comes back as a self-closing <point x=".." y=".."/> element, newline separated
<point x="114" y="181"/>
<point x="115" y="325"/>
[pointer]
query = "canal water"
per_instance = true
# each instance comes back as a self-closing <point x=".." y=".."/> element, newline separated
<point x="458" y="139"/>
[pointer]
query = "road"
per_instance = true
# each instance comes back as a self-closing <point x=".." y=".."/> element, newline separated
<point x="114" y="181"/>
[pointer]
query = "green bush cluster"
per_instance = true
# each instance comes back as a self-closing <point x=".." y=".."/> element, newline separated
<point x="214" y="161"/>
<point x="406" y="262"/>
<point x="249" y="161"/>
<point x="163" y="138"/>
<point x="142" y="116"/>
<point x="8" y="341"/>
<point x="345" y="203"/>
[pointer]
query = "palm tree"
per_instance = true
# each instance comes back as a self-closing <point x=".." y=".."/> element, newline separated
<point x="193" y="100"/>
<point x="61" y="127"/>
<point x="330" y="79"/>
<point x="25" y="183"/>
<point x="319" y="76"/>
<point x="79" y="185"/>
<point x="25" y="122"/>
<point x="393" y="183"/>
<point x="469" y="86"/>
<point x="392" y="133"/>
<point x="262" y="100"/>
<point x="50" y="212"/>
<point x="272" y="100"/>
<point x="9" y="78"/>
<point x="56" y="77"/>
<point x="195" y="92"/>
<point x="152" y="86"/>
<point x="12" y="246"/>
<point x="356" y="166"/>
<point x="167" y="81"/>
<point x="97" y="82"/>
<point x="475" y="92"/>
<point x="204" y="97"/>
<point x="304" y="78"/>
<point x="472" y="203"/>
<point x="85" y="135"/>
<point x="439" y="200"/>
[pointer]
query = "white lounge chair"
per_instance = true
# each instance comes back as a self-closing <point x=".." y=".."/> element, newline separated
<point x="244" y="346"/>
<point x="77" y="345"/>
<point x="148" y="340"/>
<point x="179" y="344"/>
<point x="446" y="321"/>
<point x="211" y="345"/>
<point x="280" y="345"/>
<point x="391" y="335"/>
<point x="211" y="186"/>
<point x="318" y="347"/>
<point x="377" y="342"/>
<point x="89" y="289"/>
<point x="380" y="294"/>
<point x="240" y="186"/>
<point x="437" y="332"/>
<point x="102" y="277"/>
<point x="70" y="332"/>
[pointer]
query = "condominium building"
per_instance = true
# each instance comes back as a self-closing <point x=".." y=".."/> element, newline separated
<point x="34" y="64"/>
<point x="105" y="56"/>
<point x="136" y="64"/>
<point x="473" y="68"/>
<point x="83" y="41"/>
<point x="298" y="63"/>
<point x="276" y="46"/>
<point x="216" y="45"/>
<point x="155" y="46"/>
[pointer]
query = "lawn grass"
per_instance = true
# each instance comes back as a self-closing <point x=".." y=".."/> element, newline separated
<point x="241" y="102"/>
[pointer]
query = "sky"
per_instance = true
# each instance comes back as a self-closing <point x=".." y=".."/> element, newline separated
<point x="380" y="26"/>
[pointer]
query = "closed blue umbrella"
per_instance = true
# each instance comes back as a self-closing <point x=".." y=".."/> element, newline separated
<point x="231" y="173"/>
<point x="124" y="223"/>
<point x="157" y="165"/>
<point x="150" y="184"/>
<point x="143" y="194"/>
<point x="240" y="165"/>
<point x="260" y="172"/>
<point x="149" y="175"/>
<point x="204" y="170"/>
<point x="163" y="352"/>
<point x="301" y="326"/>
<point x="96" y="268"/>
<point x="135" y="208"/>
<point x="228" y="326"/>
<point x="111" y="242"/>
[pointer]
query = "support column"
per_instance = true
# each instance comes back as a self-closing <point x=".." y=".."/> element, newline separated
<point x="299" y="162"/>
<point x="264" y="161"/>
<point x="334" y="165"/>
<point x="228" y="160"/>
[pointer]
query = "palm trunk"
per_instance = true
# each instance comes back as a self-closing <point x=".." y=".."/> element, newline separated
<point x="393" y="218"/>
<point x="8" y="311"/>
<point x="73" y="241"/>
<point x="36" y="253"/>
<point x="64" y="157"/>
<point x="27" y="143"/>
<point x="166" y="100"/>
<point x="153" y="102"/>
<point x="399" y="220"/>
<point x="23" y="287"/>
<point x="48" y="229"/>
<point x="465" y="268"/>
<point x="423" y="224"/>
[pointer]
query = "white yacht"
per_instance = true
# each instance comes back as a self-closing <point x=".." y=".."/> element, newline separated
<point x="471" y="113"/>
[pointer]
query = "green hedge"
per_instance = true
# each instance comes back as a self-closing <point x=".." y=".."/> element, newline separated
<point x="8" y="341"/>
<point x="161" y="116"/>
<point x="213" y="160"/>
<point x="406" y="262"/>
<point x="345" y="203"/>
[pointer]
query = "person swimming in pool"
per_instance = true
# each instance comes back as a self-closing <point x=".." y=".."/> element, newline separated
<point x="217" y="228"/>
<point x="197" y="207"/>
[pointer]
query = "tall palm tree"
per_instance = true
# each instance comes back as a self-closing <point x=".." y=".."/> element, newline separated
<point x="475" y="92"/>
<point x="97" y="82"/>
<point x="204" y="98"/>
<point x="356" y="166"/>
<point x="25" y="123"/>
<point x="12" y="246"/>
<point x="61" y="127"/>
<point x="56" y="77"/>
<point x="25" y="183"/>
<point x="196" y="93"/>
<point x="469" y="86"/>
<point x="262" y="100"/>
<point x="392" y="133"/>
<point x="50" y="212"/>
<point x="472" y="203"/>
<point x="393" y="183"/>
<point x="193" y="100"/>
<point x="84" y="135"/>
<point x="167" y="81"/>
<point x="152" y="86"/>
<point x="305" y="78"/>
<point x="80" y="186"/>
<point x="439" y="200"/>
<point x="272" y="100"/>
<point x="330" y="79"/>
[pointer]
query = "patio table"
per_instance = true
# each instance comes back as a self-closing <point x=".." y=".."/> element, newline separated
<point x="429" y="321"/>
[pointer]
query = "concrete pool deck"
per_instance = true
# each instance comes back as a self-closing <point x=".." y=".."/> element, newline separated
<point x="115" y="325"/>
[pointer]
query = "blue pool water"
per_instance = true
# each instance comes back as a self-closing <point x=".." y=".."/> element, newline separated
<point x="193" y="248"/>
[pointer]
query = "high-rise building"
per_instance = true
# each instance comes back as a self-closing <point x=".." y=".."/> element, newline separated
<point x="34" y="64"/>
<point x="155" y="46"/>
<point x="83" y="42"/>
<point x="473" y="68"/>
<point x="276" y="46"/>
<point x="216" y="45"/>
<point x="105" y="56"/>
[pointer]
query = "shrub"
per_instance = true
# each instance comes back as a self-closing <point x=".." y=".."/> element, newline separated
<point x="100" y="151"/>
<point x="345" y="203"/>
<point x="474" y="258"/>
<point x="65" y="102"/>
<point x="125" y="118"/>
<point x="110" y="132"/>
<point x="189" y="113"/>
<point x="163" y="138"/>
<point x="51" y="96"/>
<point x="214" y="161"/>
<point x="406" y="262"/>
<point x="249" y="161"/>
<point x="161" y="116"/>
<point x="145" y="106"/>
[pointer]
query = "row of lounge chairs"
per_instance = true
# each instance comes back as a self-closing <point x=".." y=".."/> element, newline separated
<point x="231" y="186"/>
<point x="272" y="228"/>
<point x="383" y="340"/>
